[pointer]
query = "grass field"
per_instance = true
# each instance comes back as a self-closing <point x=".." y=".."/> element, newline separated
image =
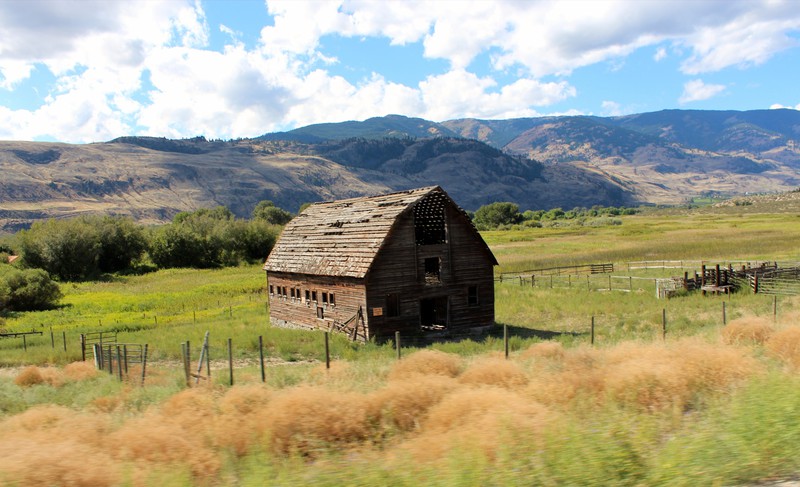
<point x="710" y="405"/>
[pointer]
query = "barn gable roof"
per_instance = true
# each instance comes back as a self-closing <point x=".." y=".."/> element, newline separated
<point x="341" y="238"/>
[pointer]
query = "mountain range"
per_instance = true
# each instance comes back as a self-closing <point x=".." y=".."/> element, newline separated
<point x="665" y="157"/>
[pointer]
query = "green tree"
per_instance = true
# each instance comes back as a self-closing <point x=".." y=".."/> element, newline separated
<point x="28" y="290"/>
<point x="493" y="215"/>
<point x="122" y="241"/>
<point x="267" y="211"/>
<point x="67" y="249"/>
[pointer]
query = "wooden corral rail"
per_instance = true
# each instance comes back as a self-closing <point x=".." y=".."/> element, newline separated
<point x="588" y="282"/>
<point x="603" y="268"/>
<point x="664" y="264"/>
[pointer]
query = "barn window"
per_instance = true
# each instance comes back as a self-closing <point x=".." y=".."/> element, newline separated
<point x="271" y="289"/>
<point x="332" y="299"/>
<point x="472" y="295"/>
<point x="314" y="296"/>
<point x="320" y="312"/>
<point x="325" y="298"/>
<point x="392" y="305"/>
<point x="292" y="291"/>
<point x="429" y="220"/>
<point x="433" y="270"/>
<point x="308" y="295"/>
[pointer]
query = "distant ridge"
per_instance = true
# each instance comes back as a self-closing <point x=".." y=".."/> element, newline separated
<point x="664" y="157"/>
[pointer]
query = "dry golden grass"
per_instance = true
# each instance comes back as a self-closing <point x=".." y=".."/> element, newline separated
<point x="482" y="418"/>
<point x="28" y="442"/>
<point x="546" y="350"/>
<point x="429" y="405"/>
<point x="76" y="371"/>
<point x="403" y="404"/>
<point x="495" y="372"/>
<point x="29" y="376"/>
<point x="785" y="345"/>
<point x="307" y="420"/>
<point x="426" y="362"/>
<point x="749" y="330"/>
<point x="242" y="418"/>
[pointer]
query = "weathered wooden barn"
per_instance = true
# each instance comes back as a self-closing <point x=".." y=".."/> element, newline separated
<point x="410" y="261"/>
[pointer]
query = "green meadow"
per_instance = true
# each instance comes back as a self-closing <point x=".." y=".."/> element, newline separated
<point x="672" y="392"/>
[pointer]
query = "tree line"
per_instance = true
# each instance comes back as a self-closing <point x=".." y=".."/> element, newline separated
<point x="88" y="247"/>
<point x="506" y="215"/>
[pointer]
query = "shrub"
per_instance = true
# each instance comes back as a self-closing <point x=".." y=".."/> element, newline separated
<point x="785" y="345"/>
<point x="747" y="330"/>
<point x="494" y="372"/>
<point x="426" y="362"/>
<point x="494" y="215"/>
<point x="28" y="290"/>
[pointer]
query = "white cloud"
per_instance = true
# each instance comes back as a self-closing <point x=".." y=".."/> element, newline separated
<point x="776" y="106"/>
<point x="611" y="108"/>
<point x="14" y="72"/>
<point x="697" y="90"/>
<point x="100" y="52"/>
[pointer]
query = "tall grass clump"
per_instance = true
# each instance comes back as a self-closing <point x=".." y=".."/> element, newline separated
<point x="785" y="345"/>
<point x="747" y="330"/>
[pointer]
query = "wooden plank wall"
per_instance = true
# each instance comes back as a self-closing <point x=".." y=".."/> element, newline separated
<point x="399" y="269"/>
<point x="349" y="294"/>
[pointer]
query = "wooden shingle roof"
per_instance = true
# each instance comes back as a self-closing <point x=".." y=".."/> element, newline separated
<point x="341" y="238"/>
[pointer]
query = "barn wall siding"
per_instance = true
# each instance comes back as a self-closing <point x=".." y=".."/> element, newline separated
<point x="349" y="295"/>
<point x="399" y="269"/>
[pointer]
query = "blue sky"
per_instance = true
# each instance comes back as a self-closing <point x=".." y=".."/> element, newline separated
<point x="91" y="70"/>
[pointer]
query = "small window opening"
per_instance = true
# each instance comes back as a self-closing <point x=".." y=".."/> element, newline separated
<point x="392" y="305"/>
<point x="320" y="312"/>
<point x="332" y="299"/>
<point x="472" y="295"/>
<point x="314" y="296"/>
<point x="271" y="289"/>
<point x="433" y="270"/>
<point x="324" y="298"/>
<point x="308" y="295"/>
<point x="292" y="292"/>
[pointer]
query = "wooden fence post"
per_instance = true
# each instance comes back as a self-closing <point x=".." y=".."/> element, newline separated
<point x="64" y="336"/>
<point x="230" y="360"/>
<point x="327" y="352"/>
<point x="397" y="343"/>
<point x="664" y="323"/>
<point x="505" y="339"/>
<point x="185" y="363"/>
<point x="774" y="308"/>
<point x="52" y="338"/>
<point x="24" y="343"/>
<point x="144" y="363"/>
<point x="592" y="330"/>
<point x="724" y="315"/>
<point x="261" y="357"/>
<point x="119" y="363"/>
<point x="83" y="347"/>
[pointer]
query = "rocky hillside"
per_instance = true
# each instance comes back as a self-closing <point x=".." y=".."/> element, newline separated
<point x="539" y="163"/>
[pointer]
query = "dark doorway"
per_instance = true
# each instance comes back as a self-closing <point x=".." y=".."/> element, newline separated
<point x="433" y="313"/>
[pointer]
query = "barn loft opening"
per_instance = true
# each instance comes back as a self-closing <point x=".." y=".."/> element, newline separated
<point x="429" y="220"/>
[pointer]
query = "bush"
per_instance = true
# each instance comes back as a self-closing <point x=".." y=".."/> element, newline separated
<point x="211" y="238"/>
<point x="67" y="249"/>
<point x="82" y="248"/>
<point x="267" y="211"/>
<point x="28" y="290"/>
<point x="494" y="215"/>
